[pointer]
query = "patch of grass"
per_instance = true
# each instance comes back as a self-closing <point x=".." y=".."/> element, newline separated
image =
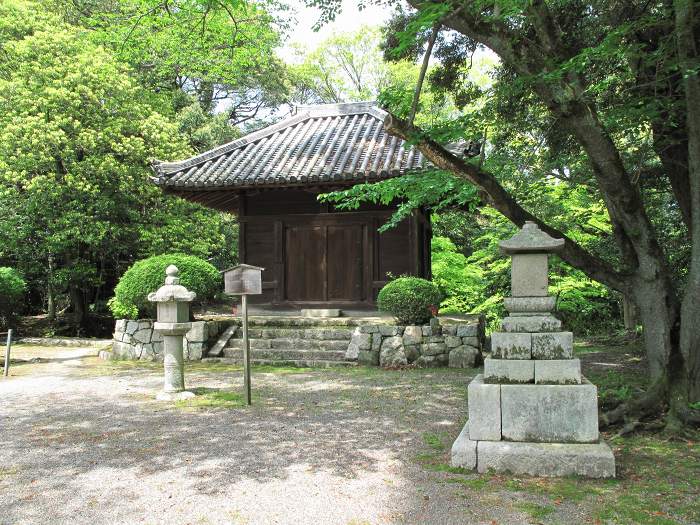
<point x="6" y="472"/>
<point x="535" y="510"/>
<point x="281" y="370"/>
<point x="479" y="483"/>
<point x="433" y="441"/>
<point x="210" y="398"/>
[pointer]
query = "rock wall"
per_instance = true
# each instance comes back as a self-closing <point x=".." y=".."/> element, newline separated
<point x="138" y="340"/>
<point x="456" y="343"/>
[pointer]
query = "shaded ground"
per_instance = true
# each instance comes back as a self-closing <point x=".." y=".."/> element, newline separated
<point x="83" y="441"/>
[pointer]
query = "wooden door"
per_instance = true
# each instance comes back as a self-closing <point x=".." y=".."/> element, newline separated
<point x="344" y="262"/>
<point x="305" y="268"/>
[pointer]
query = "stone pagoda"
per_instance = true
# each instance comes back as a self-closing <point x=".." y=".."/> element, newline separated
<point x="531" y="411"/>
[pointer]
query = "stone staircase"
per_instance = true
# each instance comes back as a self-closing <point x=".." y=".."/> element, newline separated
<point x="294" y="344"/>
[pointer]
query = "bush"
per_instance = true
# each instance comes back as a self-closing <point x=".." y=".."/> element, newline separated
<point x="12" y="288"/>
<point x="131" y="293"/>
<point x="410" y="299"/>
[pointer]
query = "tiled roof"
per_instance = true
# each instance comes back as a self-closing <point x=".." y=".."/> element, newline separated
<point x="322" y="143"/>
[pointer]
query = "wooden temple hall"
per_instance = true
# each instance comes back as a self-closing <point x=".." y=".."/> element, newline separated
<point x="314" y="255"/>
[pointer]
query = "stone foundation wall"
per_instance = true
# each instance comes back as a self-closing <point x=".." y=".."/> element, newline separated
<point x="456" y="343"/>
<point x="138" y="340"/>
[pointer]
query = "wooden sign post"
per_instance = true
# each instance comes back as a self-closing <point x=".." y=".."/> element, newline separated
<point x="244" y="280"/>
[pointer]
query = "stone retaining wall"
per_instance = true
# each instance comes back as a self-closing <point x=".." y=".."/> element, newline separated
<point x="456" y="343"/>
<point x="138" y="340"/>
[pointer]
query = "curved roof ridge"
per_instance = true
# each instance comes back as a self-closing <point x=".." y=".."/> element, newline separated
<point x="288" y="152"/>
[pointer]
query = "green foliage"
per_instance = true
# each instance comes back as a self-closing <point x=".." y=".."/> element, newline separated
<point x="461" y="283"/>
<point x="12" y="290"/>
<point x="78" y="135"/>
<point x="146" y="276"/>
<point x="409" y="299"/>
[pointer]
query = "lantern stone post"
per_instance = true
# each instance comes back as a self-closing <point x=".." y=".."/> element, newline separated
<point x="173" y="322"/>
<point x="531" y="411"/>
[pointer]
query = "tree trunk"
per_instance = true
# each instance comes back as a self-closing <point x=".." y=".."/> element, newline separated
<point x="50" y="292"/>
<point x="689" y="57"/>
<point x="77" y="300"/>
<point x="629" y="314"/>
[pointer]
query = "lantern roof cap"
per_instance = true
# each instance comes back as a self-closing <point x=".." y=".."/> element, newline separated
<point x="172" y="290"/>
<point x="530" y="239"/>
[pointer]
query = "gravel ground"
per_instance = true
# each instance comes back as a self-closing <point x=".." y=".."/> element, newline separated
<point x="84" y="441"/>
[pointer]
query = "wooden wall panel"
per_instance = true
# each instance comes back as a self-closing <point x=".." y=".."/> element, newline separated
<point x="394" y="252"/>
<point x="345" y="260"/>
<point x="305" y="248"/>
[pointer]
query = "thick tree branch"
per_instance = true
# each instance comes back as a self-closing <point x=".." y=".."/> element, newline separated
<point x="502" y="201"/>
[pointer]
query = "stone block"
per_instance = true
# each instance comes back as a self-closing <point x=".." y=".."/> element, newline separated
<point x="427" y="331"/>
<point x="511" y="345"/>
<point x="376" y="342"/>
<point x="435" y="326"/>
<point x="412" y="335"/>
<point x="432" y="360"/>
<point x="484" y="402"/>
<point x="449" y="329"/>
<point x="199" y="332"/>
<point x="389" y="331"/>
<point x="452" y="341"/>
<point x="471" y="341"/>
<point x="529" y="275"/>
<point x="352" y="352"/>
<point x="509" y="371"/>
<point x="320" y="312"/>
<point x="558" y="371"/>
<point x="363" y="341"/>
<point x="468" y="330"/>
<point x="120" y="325"/>
<point x="532" y="324"/>
<point x="464" y="356"/>
<point x="131" y="327"/>
<point x="368" y="358"/>
<point x="195" y="350"/>
<point x="369" y="329"/>
<point x="463" y="453"/>
<point x="433" y="348"/>
<point x="530" y="305"/>
<point x="412" y="353"/>
<point x="546" y="459"/>
<point x="156" y="337"/>
<point x="550" y="413"/>
<point x="392" y="354"/>
<point x="143" y="335"/>
<point x="553" y="345"/>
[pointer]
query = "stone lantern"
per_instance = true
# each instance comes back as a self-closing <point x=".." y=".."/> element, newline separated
<point x="531" y="411"/>
<point x="173" y="322"/>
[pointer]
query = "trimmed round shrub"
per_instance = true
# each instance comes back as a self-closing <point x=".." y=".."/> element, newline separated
<point x="12" y="289"/>
<point x="411" y="300"/>
<point x="130" y="299"/>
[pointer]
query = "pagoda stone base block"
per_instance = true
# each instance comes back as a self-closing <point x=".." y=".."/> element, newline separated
<point x="511" y="345"/>
<point x="553" y="345"/>
<point x="558" y="372"/>
<point x="484" y="409"/>
<point x="532" y="324"/>
<point x="506" y="371"/>
<point x="594" y="460"/>
<point x="463" y="452"/>
<point x="550" y="413"/>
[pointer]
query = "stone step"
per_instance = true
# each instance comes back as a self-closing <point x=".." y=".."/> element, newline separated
<point x="286" y="354"/>
<point x="301" y="363"/>
<point x="299" y="344"/>
<point x="318" y="333"/>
